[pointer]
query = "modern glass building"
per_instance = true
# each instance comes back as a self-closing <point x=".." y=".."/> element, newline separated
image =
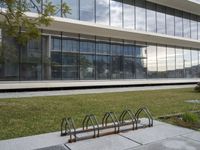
<point x="110" y="39"/>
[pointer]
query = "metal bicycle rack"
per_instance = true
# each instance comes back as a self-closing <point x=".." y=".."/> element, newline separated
<point x="110" y="124"/>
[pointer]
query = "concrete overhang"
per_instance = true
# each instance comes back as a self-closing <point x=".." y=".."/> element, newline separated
<point x="82" y="27"/>
<point x="185" y="5"/>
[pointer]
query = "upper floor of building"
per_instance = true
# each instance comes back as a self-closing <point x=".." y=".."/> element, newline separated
<point x="174" y="18"/>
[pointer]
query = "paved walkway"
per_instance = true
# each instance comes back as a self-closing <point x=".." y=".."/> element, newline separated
<point x="162" y="136"/>
<point x="88" y="91"/>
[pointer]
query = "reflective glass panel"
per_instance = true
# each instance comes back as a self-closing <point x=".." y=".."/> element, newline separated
<point x="117" y="48"/>
<point x="140" y="49"/>
<point x="171" y="62"/>
<point x="87" y="10"/>
<point x="87" y="44"/>
<point x="70" y="44"/>
<point x="170" y="21"/>
<point x="187" y="63"/>
<point x="179" y="63"/>
<point x="102" y="67"/>
<point x="129" y="13"/>
<point x="161" y="19"/>
<point x="195" y="63"/>
<point x="152" y="61"/>
<point x="162" y="62"/>
<point x="129" y="48"/>
<point x="140" y="15"/>
<point x="141" y="69"/>
<point x="74" y="8"/>
<point x="198" y="28"/>
<point x="194" y="29"/>
<point x="116" y="13"/>
<point x="129" y="68"/>
<point x="151" y="17"/>
<point x="186" y="25"/>
<point x="87" y="67"/>
<point x="117" y="67"/>
<point x="178" y="23"/>
<point x="102" y="12"/>
<point x="102" y="46"/>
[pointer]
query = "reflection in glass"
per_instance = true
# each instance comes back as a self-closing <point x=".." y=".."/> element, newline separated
<point x="69" y="66"/>
<point x="129" y="68"/>
<point x="171" y="62"/>
<point x="70" y="44"/>
<point x="116" y="13"/>
<point x="102" y="67"/>
<point x="195" y="63"/>
<point x="87" y="10"/>
<point x="102" y="12"/>
<point x="140" y="15"/>
<point x="198" y="28"/>
<point x="140" y="49"/>
<point x="129" y="13"/>
<point x="187" y="63"/>
<point x="186" y="25"/>
<point x="74" y="8"/>
<point x="87" y="44"/>
<point x="152" y="61"/>
<point x="179" y="63"/>
<point x="117" y="48"/>
<point x="141" y="69"/>
<point x="151" y="17"/>
<point x="129" y="48"/>
<point x="178" y="23"/>
<point x="194" y="29"/>
<point x="161" y="19"/>
<point x="102" y="46"/>
<point x="87" y="67"/>
<point x="117" y="67"/>
<point x="162" y="62"/>
<point x="170" y="21"/>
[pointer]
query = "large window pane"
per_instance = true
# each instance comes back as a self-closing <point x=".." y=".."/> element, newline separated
<point x="141" y="68"/>
<point x="87" y="44"/>
<point x="117" y="67"/>
<point x="129" y="68"/>
<point x="102" y="12"/>
<point x="56" y="58"/>
<point x="179" y="63"/>
<point x="194" y="29"/>
<point x="116" y="13"/>
<point x="170" y="21"/>
<point x="87" y="67"/>
<point x="129" y="48"/>
<point x="31" y="61"/>
<point x="87" y="10"/>
<point x="69" y="66"/>
<point x="140" y="49"/>
<point x="151" y="17"/>
<point x="171" y="62"/>
<point x="161" y="19"/>
<point x="129" y="13"/>
<point x="102" y="46"/>
<point x="117" y="48"/>
<point x="186" y="25"/>
<point x="74" y="8"/>
<point x="70" y="44"/>
<point x="162" y="63"/>
<point x="140" y="15"/>
<point x="198" y="28"/>
<point x="56" y="3"/>
<point x="102" y="67"/>
<point x="178" y="23"/>
<point x="195" y="63"/>
<point x="187" y="63"/>
<point x="152" y="61"/>
<point x="9" y="59"/>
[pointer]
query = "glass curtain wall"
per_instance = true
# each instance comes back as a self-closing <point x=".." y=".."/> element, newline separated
<point x="152" y="61"/>
<point x="171" y="62"/>
<point x="132" y="14"/>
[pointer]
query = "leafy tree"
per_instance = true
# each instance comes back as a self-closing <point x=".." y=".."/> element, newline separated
<point x="15" y="19"/>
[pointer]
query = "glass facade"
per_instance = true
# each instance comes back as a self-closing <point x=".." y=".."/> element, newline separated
<point x="66" y="56"/>
<point x="138" y="15"/>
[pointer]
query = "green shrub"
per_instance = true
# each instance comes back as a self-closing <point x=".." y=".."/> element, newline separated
<point x="190" y="117"/>
<point x="197" y="88"/>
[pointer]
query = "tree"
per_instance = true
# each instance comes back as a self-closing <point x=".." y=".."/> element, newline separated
<point x="16" y="24"/>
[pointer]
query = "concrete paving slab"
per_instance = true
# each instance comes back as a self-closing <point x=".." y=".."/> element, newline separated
<point x="176" y="143"/>
<point x="57" y="147"/>
<point x="111" y="142"/>
<point x="33" y="142"/>
<point x="194" y="135"/>
<point x="156" y="133"/>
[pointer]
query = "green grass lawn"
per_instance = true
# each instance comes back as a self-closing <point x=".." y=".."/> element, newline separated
<point x="28" y="116"/>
